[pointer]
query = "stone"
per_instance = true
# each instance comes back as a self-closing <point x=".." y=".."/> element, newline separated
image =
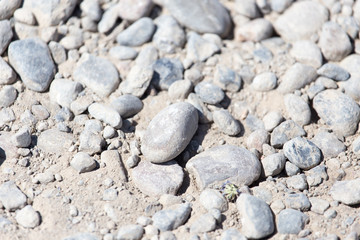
<point x="204" y="17"/>
<point x="284" y="132"/>
<point x="134" y="10"/>
<point x="205" y="223"/>
<point x="291" y="169"/>
<point x="6" y="34"/>
<point x="317" y="175"/>
<point x="307" y="16"/>
<point x="319" y="205"/>
<point x="64" y="91"/>
<point x="7" y="74"/>
<point x="90" y="138"/>
<point x="82" y="162"/>
<point x="199" y="49"/>
<point x="8" y="95"/>
<point x="113" y="162"/>
<point x="329" y="144"/>
<point x="297" y="182"/>
<point x="108" y="19"/>
<point x="297" y="201"/>
<point x="205" y="116"/>
<point x="110" y="194"/>
<point x="262" y="193"/>
<point x="45" y="177"/>
<point x="147" y="56"/>
<point x="81" y="236"/>
<point x="255" y="30"/>
<point x="54" y="141"/>
<point x="356" y="146"/>
<point x="252" y="123"/>
<point x="271" y="120"/>
<point x="166" y="72"/>
<point x="127" y="105"/>
<point x="209" y="93"/>
<point x="8" y="8"/>
<point x="227" y="79"/>
<point x="22" y="138"/>
<point x="280" y="6"/>
<point x="307" y="52"/>
<point x="334" y="42"/>
<point x="137" y="80"/>
<point x="57" y="52"/>
<point x="339" y="111"/>
<point x="169" y="132"/>
<point x="180" y="89"/>
<point x="257" y="138"/>
<point x="105" y="114"/>
<point x="273" y="164"/>
<point x="351" y="64"/>
<point x="213" y="199"/>
<point x="217" y="165"/>
<point x="172" y="218"/>
<point x="133" y="232"/>
<point x="232" y="234"/>
<point x="123" y="53"/>
<point x="291" y="221"/>
<point x="11" y="196"/>
<point x="157" y="179"/>
<point x="296" y="77"/>
<point x="31" y="59"/>
<point x="247" y="8"/>
<point x="73" y="40"/>
<point x="226" y="122"/>
<point x="298" y="110"/>
<point x="137" y="33"/>
<point x="92" y="9"/>
<point x="24" y="31"/>
<point x="333" y="71"/>
<point x="98" y="74"/>
<point x="264" y="82"/>
<point x="28" y="217"/>
<point x="351" y="87"/>
<point x="256" y="217"/>
<point x="346" y="192"/>
<point x="6" y="116"/>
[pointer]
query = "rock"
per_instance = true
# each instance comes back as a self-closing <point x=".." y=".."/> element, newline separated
<point x="224" y="163"/>
<point x="256" y="217"/>
<point x="131" y="232"/>
<point x="166" y="72"/>
<point x="297" y="182"/>
<point x="302" y="152"/>
<point x="346" y="192"/>
<point x="252" y="123"/>
<point x="108" y="19"/>
<point x="298" y="110"/>
<point x="169" y="132"/>
<point x="157" y="179"/>
<point x="329" y="144"/>
<point x="180" y="89"/>
<point x="334" y="42"/>
<point x="54" y="141"/>
<point x="8" y="95"/>
<point x="81" y="236"/>
<point x="24" y="31"/>
<point x="307" y="16"/>
<point x="137" y="80"/>
<point x="297" y="201"/>
<point x="73" y="40"/>
<point x="205" y="223"/>
<point x="271" y="120"/>
<point x="307" y="52"/>
<point x="280" y="5"/>
<point x="319" y="205"/>
<point x="351" y="64"/>
<point x="110" y="194"/>
<point x="64" y="91"/>
<point x="11" y="196"/>
<point x="273" y="164"/>
<point x="232" y="234"/>
<point x="332" y="106"/>
<point x="254" y="30"/>
<point x="264" y="82"/>
<point x="209" y="93"/>
<point x="8" y="8"/>
<point x="137" y="33"/>
<point x="45" y="177"/>
<point x="213" y="199"/>
<point x="6" y="34"/>
<point x="257" y="138"/>
<point x="133" y="10"/>
<point x="291" y="169"/>
<point x="199" y="49"/>
<point x="262" y="193"/>
<point x="204" y="17"/>
<point x="226" y="122"/>
<point x="57" y="52"/>
<point x="123" y="53"/>
<point x="31" y="59"/>
<point x="6" y="116"/>
<point x="28" y="217"/>
<point x="205" y="116"/>
<point x="317" y="175"/>
<point x="113" y="162"/>
<point x="284" y="132"/>
<point x="82" y="162"/>
<point x="147" y="56"/>
<point x="127" y="105"/>
<point x="247" y="8"/>
<point x="297" y="76"/>
<point x="7" y="74"/>
<point x="172" y="218"/>
<point x="106" y="114"/>
<point x="356" y="146"/>
<point x="169" y="35"/>
<point x="22" y="138"/>
<point x="90" y="138"/>
<point x="333" y="71"/>
<point x="25" y="16"/>
<point x="92" y="9"/>
<point x="291" y="221"/>
<point x="227" y="79"/>
<point x="315" y="89"/>
<point x="351" y="87"/>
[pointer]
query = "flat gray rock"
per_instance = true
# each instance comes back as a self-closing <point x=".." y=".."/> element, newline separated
<point x="319" y="205"/>
<point x="298" y="110"/>
<point x="137" y="33"/>
<point x="11" y="196"/>
<point x="22" y="138"/>
<point x="166" y="72"/>
<point x="257" y="138"/>
<point x="83" y="162"/>
<point x="31" y="59"/>
<point x="199" y="49"/>
<point x="169" y="132"/>
<point x="205" y="116"/>
<point x="137" y="80"/>
<point x="284" y="132"/>
<point x="205" y="223"/>
<point x="329" y="144"/>
<point x="64" y="91"/>
<point x="291" y="221"/>
<point x="55" y="141"/>
<point x="98" y="74"/>
<point x="317" y="175"/>
<point x="123" y="53"/>
<point x="340" y="112"/>
<point x="108" y="19"/>
<point x="113" y="162"/>
<point x="6" y="35"/>
<point x="352" y="87"/>
<point x="91" y="140"/>
<point x="105" y="114"/>
<point x="172" y="218"/>
<point x="180" y="89"/>
<point x="333" y="71"/>
<point x="272" y="119"/>
<point x="232" y="234"/>
<point x="347" y="192"/>
<point x="255" y="30"/>
<point x="226" y="122"/>
<point x="297" y="182"/>
<point x="133" y="232"/>
<point x="81" y="236"/>
<point x="209" y="93"/>
<point x="217" y="165"/>
<point x="297" y="201"/>
<point x="28" y="217"/>
<point x="127" y="105"/>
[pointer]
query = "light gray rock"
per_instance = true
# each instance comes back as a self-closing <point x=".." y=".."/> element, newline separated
<point x="284" y="132"/>
<point x="90" y="138"/>
<point x="291" y="169"/>
<point x="307" y="52"/>
<point x="110" y="194"/>
<point x="98" y="74"/>
<point x="92" y="9"/>
<point x="11" y="196"/>
<point x="273" y="164"/>
<point x="232" y="163"/>
<point x="213" y="199"/>
<point x="166" y="72"/>
<point x="333" y="71"/>
<point x="8" y="95"/>
<point x="54" y="141"/>
<point x="105" y="114"/>
<point x="255" y="30"/>
<point x="180" y="89"/>
<point x="297" y="201"/>
<point x="64" y="91"/>
<point x="6" y="116"/>
<point x="351" y="87"/>
<point x="319" y="205"/>
<point x="31" y="59"/>
<point x="232" y="234"/>
<point x="127" y="105"/>
<point x="226" y="122"/>
<point x="264" y="82"/>
<point x="317" y="175"/>
<point x="256" y="217"/>
<point x="8" y="7"/>
<point x="133" y="10"/>
<point x="209" y="93"/>
<point x="297" y="182"/>
<point x="7" y="74"/>
<point x="252" y="123"/>
<point x="257" y="138"/>
<point x="137" y="33"/>
<point x="205" y="223"/>
<point x="22" y="138"/>
<point x="291" y="221"/>
<point x="81" y="236"/>
<point x="199" y="49"/>
<point x="205" y="116"/>
<point x="147" y="56"/>
<point x="28" y="217"/>
<point x="204" y="17"/>
<point x="45" y="177"/>
<point x="82" y="162"/>
<point x="169" y="132"/>
<point x="73" y="40"/>
<point x="329" y="144"/>
<point x="339" y="111"/>
<point x="272" y="119"/>
<point x="108" y="19"/>
<point x="356" y="146"/>
<point x="172" y="218"/>
<point x="247" y="8"/>
<point x="346" y="192"/>
<point x="158" y="179"/>
<point x="6" y="34"/>
<point x="227" y="79"/>
<point x="262" y="193"/>
<point x="131" y="232"/>
<point x="57" y="52"/>
<point x="123" y="53"/>
<point x="24" y="31"/>
<point x="351" y="63"/>
<point x="298" y="110"/>
<point x="280" y="5"/>
<point x="137" y="80"/>
<point x="113" y="162"/>
<point x="316" y="88"/>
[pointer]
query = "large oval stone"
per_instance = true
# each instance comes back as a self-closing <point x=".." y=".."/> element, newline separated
<point x="169" y="132"/>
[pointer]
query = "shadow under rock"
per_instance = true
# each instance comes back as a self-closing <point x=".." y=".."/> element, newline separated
<point x="2" y="156"/>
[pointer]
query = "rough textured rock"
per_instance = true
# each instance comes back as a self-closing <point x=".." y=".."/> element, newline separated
<point x="226" y="123"/>
<point x="291" y="221"/>
<point x="284" y="132"/>
<point x="54" y="141"/>
<point x="347" y="192"/>
<point x="273" y="164"/>
<point x="11" y="196"/>
<point x="172" y="218"/>
<point x="137" y="80"/>
<point x="329" y="144"/>
<point x="298" y="110"/>
<point x="199" y="49"/>
<point x="166" y="72"/>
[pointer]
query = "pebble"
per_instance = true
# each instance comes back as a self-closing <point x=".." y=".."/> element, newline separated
<point x="167" y="236"/>
<point x="147" y="56"/>
<point x="82" y="162"/>
<point x="108" y="19"/>
<point x="232" y="234"/>
<point x="356" y="146"/>
<point x="169" y="132"/>
<point x="22" y="138"/>
<point x="351" y="64"/>
<point x="91" y="141"/>
<point x="329" y="144"/>
<point x="205" y="223"/>
<point x="256" y="217"/>
<point x="106" y="114"/>
<point x="351" y="87"/>
<point x="127" y="105"/>
<point x="257" y="139"/>
<point x="334" y="42"/>
<point x="205" y="116"/>
<point x="134" y="10"/>
<point x="209" y="93"/>
<point x="57" y="52"/>
<point x="157" y="179"/>
<point x="137" y="80"/>
<point x="166" y="72"/>
<point x="54" y="141"/>
<point x="297" y="182"/>
<point x="82" y="236"/>
<point x="319" y="205"/>
<point x="264" y="82"/>
<point x="247" y="8"/>
<point x="291" y="169"/>
<point x="8" y="8"/>
<point x="280" y="6"/>
<point x="297" y="201"/>
<point x="272" y="119"/>
<point x="199" y="49"/>
<point x="216" y="165"/>
<point x="11" y="196"/>
<point x="64" y="91"/>
<point x="31" y="59"/>
<point x="284" y="132"/>
<point x="110" y="194"/>
<point x="92" y="9"/>
<point x="273" y="164"/>
<point x="253" y="123"/>
<point x="317" y="175"/>
<point x="346" y="191"/>
<point x="8" y="95"/>
<point x="169" y="35"/>
<point x="298" y="110"/>
<point x="204" y="17"/>
<point x="6" y="116"/>
<point x="133" y="232"/>
<point x="123" y="53"/>
<point x="168" y="200"/>
<point x="307" y="16"/>
<point x="297" y="76"/>
<point x="28" y="217"/>
<point x="7" y="74"/>
<point x="46" y="177"/>
<point x="99" y="74"/>
<point x="171" y="218"/>
<point x="255" y="30"/>
<point x="226" y="122"/>
<point x="333" y="71"/>
<point x="6" y="35"/>
<point x="113" y="162"/>
<point x="137" y="33"/>
<point x="180" y="89"/>
<point x="330" y="213"/>
<point x="307" y="52"/>
<point x="213" y="199"/>
<point x="73" y="40"/>
<point x="332" y="106"/>
<point x="227" y="79"/>
<point x="291" y="221"/>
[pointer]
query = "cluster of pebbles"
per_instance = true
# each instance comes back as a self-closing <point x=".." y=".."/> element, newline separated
<point x="123" y="119"/>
